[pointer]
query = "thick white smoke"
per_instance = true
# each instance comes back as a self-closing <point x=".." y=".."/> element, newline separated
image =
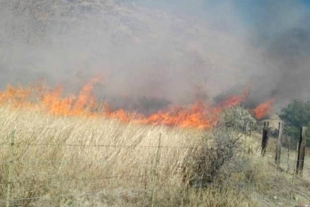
<point x="146" y="52"/>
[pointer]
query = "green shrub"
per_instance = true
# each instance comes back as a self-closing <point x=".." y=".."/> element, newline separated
<point x="238" y="118"/>
<point x="295" y="115"/>
<point x="204" y="167"/>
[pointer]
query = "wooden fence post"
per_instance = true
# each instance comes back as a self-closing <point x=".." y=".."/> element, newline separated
<point x="288" y="153"/>
<point x="265" y="138"/>
<point x="11" y="165"/>
<point x="301" y="151"/>
<point x="278" y="148"/>
<point x="246" y="130"/>
<point x="155" y="173"/>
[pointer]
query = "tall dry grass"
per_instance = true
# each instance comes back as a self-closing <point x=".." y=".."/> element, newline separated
<point x="75" y="161"/>
<point x="58" y="156"/>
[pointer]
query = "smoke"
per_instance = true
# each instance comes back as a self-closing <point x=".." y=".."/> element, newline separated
<point x="160" y="52"/>
<point x="282" y="32"/>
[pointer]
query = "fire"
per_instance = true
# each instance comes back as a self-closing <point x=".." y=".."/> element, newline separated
<point x="195" y="116"/>
<point x="200" y="115"/>
<point x="264" y="109"/>
<point x="235" y="100"/>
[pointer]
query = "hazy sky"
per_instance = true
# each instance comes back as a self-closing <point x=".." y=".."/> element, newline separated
<point x="258" y="14"/>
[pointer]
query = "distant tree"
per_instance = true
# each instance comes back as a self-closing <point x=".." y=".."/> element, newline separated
<point x="295" y="115"/>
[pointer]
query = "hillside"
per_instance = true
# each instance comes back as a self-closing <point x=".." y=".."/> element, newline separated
<point x="106" y="103"/>
<point x="140" y="52"/>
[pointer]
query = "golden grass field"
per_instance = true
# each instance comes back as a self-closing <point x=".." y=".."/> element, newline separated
<point x="76" y="161"/>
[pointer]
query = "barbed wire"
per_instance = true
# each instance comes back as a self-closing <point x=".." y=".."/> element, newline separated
<point x="61" y="161"/>
<point x="58" y="177"/>
<point x="101" y="145"/>
<point x="87" y="178"/>
<point x="47" y="197"/>
<point x="44" y="197"/>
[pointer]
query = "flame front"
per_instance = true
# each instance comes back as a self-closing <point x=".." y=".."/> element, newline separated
<point x="200" y="115"/>
<point x="264" y="109"/>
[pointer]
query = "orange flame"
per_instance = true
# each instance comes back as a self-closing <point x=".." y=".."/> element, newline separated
<point x="200" y="115"/>
<point x="264" y="109"/>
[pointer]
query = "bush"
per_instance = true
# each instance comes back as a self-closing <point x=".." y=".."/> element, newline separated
<point x="238" y="118"/>
<point x="295" y="115"/>
<point x="205" y="166"/>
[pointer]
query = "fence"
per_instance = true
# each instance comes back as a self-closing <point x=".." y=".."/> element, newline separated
<point x="289" y="152"/>
<point x="24" y="171"/>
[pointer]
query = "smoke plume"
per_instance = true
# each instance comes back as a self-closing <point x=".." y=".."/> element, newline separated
<point x="158" y="53"/>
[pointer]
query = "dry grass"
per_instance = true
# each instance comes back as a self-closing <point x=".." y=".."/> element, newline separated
<point x="74" y="161"/>
<point x="60" y="155"/>
<point x="83" y="158"/>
